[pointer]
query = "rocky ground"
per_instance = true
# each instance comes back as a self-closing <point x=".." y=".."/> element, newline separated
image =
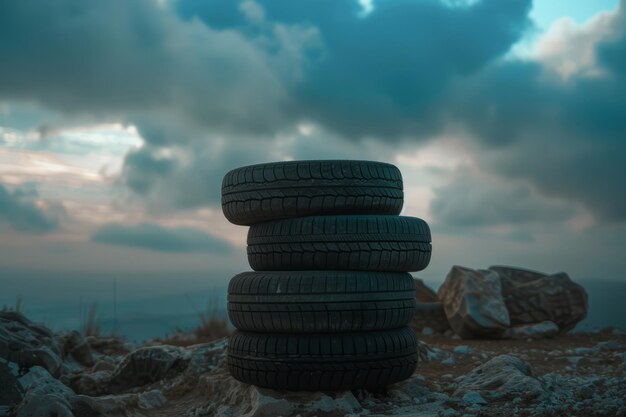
<point x="45" y="374"/>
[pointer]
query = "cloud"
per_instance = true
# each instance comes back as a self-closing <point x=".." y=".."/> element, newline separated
<point x="118" y="61"/>
<point x="565" y="138"/>
<point x="381" y="74"/>
<point x="157" y="238"/>
<point x="471" y="200"/>
<point x="20" y="212"/>
<point x="212" y="85"/>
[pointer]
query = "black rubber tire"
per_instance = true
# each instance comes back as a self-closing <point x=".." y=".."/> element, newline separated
<point x="323" y="361"/>
<point x="370" y="243"/>
<point x="281" y="190"/>
<point x="320" y="301"/>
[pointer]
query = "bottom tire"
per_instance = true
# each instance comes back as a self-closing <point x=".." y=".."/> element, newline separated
<point x="323" y="361"/>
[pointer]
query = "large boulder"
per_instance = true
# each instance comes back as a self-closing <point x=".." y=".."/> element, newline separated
<point x="534" y="297"/>
<point x="473" y="303"/>
<point x="11" y="391"/>
<point x="28" y="344"/>
<point x="504" y="377"/>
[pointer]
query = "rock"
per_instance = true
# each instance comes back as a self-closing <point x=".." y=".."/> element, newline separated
<point x="148" y="364"/>
<point x="10" y="388"/>
<point x="503" y="377"/>
<point x="574" y="359"/>
<point x="424" y="293"/>
<point x="583" y="351"/>
<point x="545" y="329"/>
<point x="93" y="383"/>
<point x="473" y="303"/>
<point x="430" y="315"/>
<point x="76" y="347"/>
<point x="533" y="297"/>
<point x="151" y="399"/>
<point x="427" y="353"/>
<point x="608" y="345"/>
<point x="473" y="398"/>
<point x="449" y="361"/>
<point x="45" y="396"/>
<point x="462" y="350"/>
<point x="28" y="344"/>
<point x="427" y="331"/>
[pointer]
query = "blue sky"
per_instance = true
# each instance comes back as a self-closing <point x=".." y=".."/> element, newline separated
<point x="545" y="12"/>
<point x="118" y="121"/>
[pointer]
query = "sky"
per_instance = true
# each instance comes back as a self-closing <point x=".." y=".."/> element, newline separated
<point x="118" y="121"/>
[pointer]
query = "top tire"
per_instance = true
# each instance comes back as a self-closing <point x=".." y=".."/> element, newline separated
<point x="274" y="191"/>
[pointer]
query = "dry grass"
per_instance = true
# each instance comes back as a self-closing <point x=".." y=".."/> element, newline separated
<point x="212" y="326"/>
<point x="92" y="323"/>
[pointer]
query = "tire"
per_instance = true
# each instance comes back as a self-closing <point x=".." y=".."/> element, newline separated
<point x="323" y="361"/>
<point x="274" y="191"/>
<point x="369" y="243"/>
<point x="320" y="301"/>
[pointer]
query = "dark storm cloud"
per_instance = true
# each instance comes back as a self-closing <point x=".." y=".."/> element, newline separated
<point x="142" y="165"/>
<point x="157" y="238"/>
<point x="382" y="75"/>
<point x="18" y="210"/>
<point x="567" y="137"/>
<point x="209" y="83"/>
<point x="119" y="60"/>
<point x="469" y="202"/>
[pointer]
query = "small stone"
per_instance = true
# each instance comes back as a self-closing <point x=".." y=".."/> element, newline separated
<point x="503" y="377"/>
<point x="544" y="329"/>
<point x="462" y="350"/>
<point x="574" y="359"/>
<point x="608" y="345"/>
<point x="151" y="399"/>
<point x="582" y="351"/>
<point x="473" y="398"/>
<point x="449" y="361"/>
<point x="427" y="331"/>
<point x="448" y="412"/>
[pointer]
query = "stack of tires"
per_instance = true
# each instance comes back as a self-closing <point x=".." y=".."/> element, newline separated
<point x="328" y="304"/>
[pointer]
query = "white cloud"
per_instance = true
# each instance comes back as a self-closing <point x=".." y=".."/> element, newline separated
<point x="568" y="49"/>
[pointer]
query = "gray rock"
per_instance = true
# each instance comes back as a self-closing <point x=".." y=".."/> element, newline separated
<point x="147" y="365"/>
<point x="473" y="303"/>
<point x="462" y="350"/>
<point x="503" y="377"/>
<point x="10" y="388"/>
<point x="28" y="344"/>
<point x="533" y="297"/>
<point x="544" y="329"/>
<point x="449" y="361"/>
<point x="574" y="359"/>
<point x="92" y="383"/>
<point x="151" y="399"/>
<point x="473" y="398"/>
<point x="45" y="396"/>
<point x="427" y="331"/>
<point x="608" y="345"/>
<point x="76" y="347"/>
